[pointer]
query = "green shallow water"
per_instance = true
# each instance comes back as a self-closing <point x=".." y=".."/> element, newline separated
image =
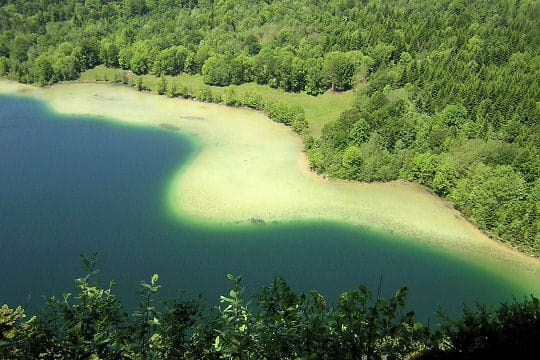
<point x="77" y="185"/>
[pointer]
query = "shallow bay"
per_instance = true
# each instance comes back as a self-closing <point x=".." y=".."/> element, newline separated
<point x="72" y="185"/>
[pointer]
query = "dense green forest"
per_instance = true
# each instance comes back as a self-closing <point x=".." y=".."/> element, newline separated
<point x="448" y="92"/>
<point x="277" y="325"/>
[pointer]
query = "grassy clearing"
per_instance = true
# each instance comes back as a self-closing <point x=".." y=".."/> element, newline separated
<point x="100" y="73"/>
<point x="319" y="110"/>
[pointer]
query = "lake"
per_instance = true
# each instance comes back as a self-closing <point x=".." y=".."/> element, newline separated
<point x="76" y="185"/>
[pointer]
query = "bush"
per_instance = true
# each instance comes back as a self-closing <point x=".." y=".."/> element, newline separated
<point x="139" y="83"/>
<point x="205" y="94"/>
<point x="161" y="86"/>
<point x="252" y="100"/>
<point x="230" y="97"/>
<point x="288" y="114"/>
<point x="171" y="90"/>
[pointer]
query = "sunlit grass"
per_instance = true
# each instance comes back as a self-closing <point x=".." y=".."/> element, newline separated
<point x="319" y="109"/>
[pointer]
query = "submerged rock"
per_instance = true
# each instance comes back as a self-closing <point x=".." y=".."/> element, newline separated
<point x="257" y="221"/>
<point x="169" y="126"/>
<point x="192" y="117"/>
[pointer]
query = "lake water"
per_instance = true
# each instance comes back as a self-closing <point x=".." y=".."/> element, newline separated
<point x="70" y="186"/>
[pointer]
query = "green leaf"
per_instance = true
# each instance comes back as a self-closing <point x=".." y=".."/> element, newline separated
<point x="217" y="344"/>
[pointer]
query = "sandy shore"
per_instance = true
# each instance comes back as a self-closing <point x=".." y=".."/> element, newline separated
<point x="250" y="167"/>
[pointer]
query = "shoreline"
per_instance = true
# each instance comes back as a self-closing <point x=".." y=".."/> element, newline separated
<point x="303" y="164"/>
<point x="249" y="167"/>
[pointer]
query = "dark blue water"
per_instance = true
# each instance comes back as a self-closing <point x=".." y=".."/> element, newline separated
<point x="77" y="185"/>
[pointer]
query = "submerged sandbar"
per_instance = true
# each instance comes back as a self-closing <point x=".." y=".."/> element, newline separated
<point x="248" y="167"/>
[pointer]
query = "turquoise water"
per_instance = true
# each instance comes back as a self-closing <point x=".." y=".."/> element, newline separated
<point x="77" y="185"/>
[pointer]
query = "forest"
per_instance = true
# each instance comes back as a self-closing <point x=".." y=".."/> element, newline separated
<point x="275" y="323"/>
<point x="447" y="92"/>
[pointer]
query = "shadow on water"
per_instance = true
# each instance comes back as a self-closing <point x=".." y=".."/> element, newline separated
<point x="77" y="185"/>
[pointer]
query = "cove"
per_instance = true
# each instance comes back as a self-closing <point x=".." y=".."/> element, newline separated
<point x="120" y="175"/>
